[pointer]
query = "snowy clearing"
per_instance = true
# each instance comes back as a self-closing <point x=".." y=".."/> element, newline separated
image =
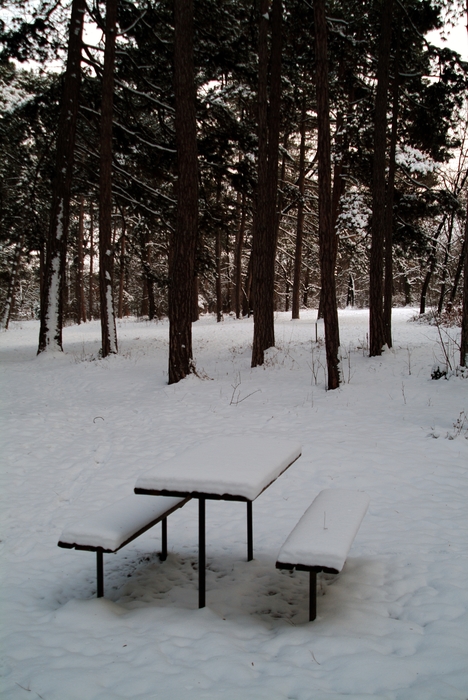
<point x="77" y="433"/>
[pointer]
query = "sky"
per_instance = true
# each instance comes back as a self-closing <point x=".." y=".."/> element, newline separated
<point x="456" y="39"/>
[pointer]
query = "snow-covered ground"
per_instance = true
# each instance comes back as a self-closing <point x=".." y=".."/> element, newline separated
<point x="78" y="431"/>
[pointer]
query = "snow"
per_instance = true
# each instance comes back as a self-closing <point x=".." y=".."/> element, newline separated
<point x="77" y="432"/>
<point x="414" y="160"/>
<point x="53" y="305"/>
<point x="110" y="527"/>
<point x="223" y="466"/>
<point x="326" y="531"/>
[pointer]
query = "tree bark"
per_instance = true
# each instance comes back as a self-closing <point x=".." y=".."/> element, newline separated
<point x="432" y="262"/>
<point x="79" y="287"/>
<point x="184" y="240"/>
<point x="458" y="274"/>
<point x="247" y="304"/>
<point x="120" y="307"/>
<point x="388" y="235"/>
<point x="238" y="258"/>
<point x="106" y="253"/>
<point x="326" y="229"/>
<point x="8" y="305"/>
<point x="218" y="251"/>
<point x="464" y="325"/>
<point x="265" y="224"/>
<point x="443" y="284"/>
<point x="376" y="320"/>
<point x="50" y="333"/>
<point x="91" y="261"/>
<point x="300" y="217"/>
<point x="148" y="305"/>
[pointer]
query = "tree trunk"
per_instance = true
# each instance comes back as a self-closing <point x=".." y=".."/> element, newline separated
<point x="238" y="259"/>
<point x="148" y="306"/>
<point x="50" y="333"/>
<point x="388" y="235"/>
<point x="350" y="297"/>
<point x="91" y="261"/>
<point x="443" y="285"/>
<point x="458" y="274"/>
<point x="247" y="303"/>
<point x="184" y="240"/>
<point x="464" y="325"/>
<point x="305" y="300"/>
<point x="300" y="217"/>
<point x="376" y="320"/>
<point x="79" y="287"/>
<point x="326" y="228"/>
<point x="219" y="299"/>
<point x="120" y="312"/>
<point x="265" y="225"/>
<point x="219" y="291"/>
<point x="106" y="253"/>
<point x="432" y="261"/>
<point x="8" y="305"/>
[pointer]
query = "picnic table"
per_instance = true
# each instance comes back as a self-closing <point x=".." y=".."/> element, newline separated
<point x="225" y="468"/>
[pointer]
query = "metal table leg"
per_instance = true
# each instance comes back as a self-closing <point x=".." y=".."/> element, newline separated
<point x="100" y="572"/>
<point x="249" y="531"/>
<point x="312" y="595"/>
<point x="201" y="552"/>
<point x="163" y="556"/>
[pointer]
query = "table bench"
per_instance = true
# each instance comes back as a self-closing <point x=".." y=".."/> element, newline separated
<point x="323" y="537"/>
<point x="116" y="525"/>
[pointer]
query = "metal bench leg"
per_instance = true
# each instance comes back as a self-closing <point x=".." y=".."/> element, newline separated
<point x="163" y="555"/>
<point x="201" y="552"/>
<point x="100" y="573"/>
<point x="249" y="531"/>
<point x="312" y="595"/>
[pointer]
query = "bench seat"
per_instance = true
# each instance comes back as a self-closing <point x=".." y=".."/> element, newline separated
<point x="323" y="536"/>
<point x="114" y="526"/>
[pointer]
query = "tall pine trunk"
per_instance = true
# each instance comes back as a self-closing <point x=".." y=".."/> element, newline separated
<point x="376" y="318"/>
<point x="300" y="217"/>
<point x="326" y="228"/>
<point x="238" y="257"/>
<point x="8" y="305"/>
<point x="464" y="327"/>
<point x="184" y="240"/>
<point x="106" y="253"/>
<point x="50" y="332"/>
<point x="265" y="223"/>
<point x="91" y="261"/>
<point x="388" y="235"/>
<point x="120" y="308"/>
<point x="79" y="286"/>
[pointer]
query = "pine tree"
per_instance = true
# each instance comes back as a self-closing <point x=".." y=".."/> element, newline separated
<point x="50" y="334"/>
<point x="106" y="255"/>
<point x="183" y="244"/>
<point x="265" y="222"/>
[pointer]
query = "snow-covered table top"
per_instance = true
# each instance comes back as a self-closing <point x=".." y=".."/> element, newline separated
<point x="224" y="468"/>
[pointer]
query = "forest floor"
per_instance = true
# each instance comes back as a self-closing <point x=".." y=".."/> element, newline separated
<point x="77" y="431"/>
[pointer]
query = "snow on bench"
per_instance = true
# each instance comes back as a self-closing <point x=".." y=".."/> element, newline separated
<point x="323" y="536"/>
<point x="113" y="527"/>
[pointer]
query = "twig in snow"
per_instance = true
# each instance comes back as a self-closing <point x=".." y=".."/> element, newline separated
<point x="312" y="653"/>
